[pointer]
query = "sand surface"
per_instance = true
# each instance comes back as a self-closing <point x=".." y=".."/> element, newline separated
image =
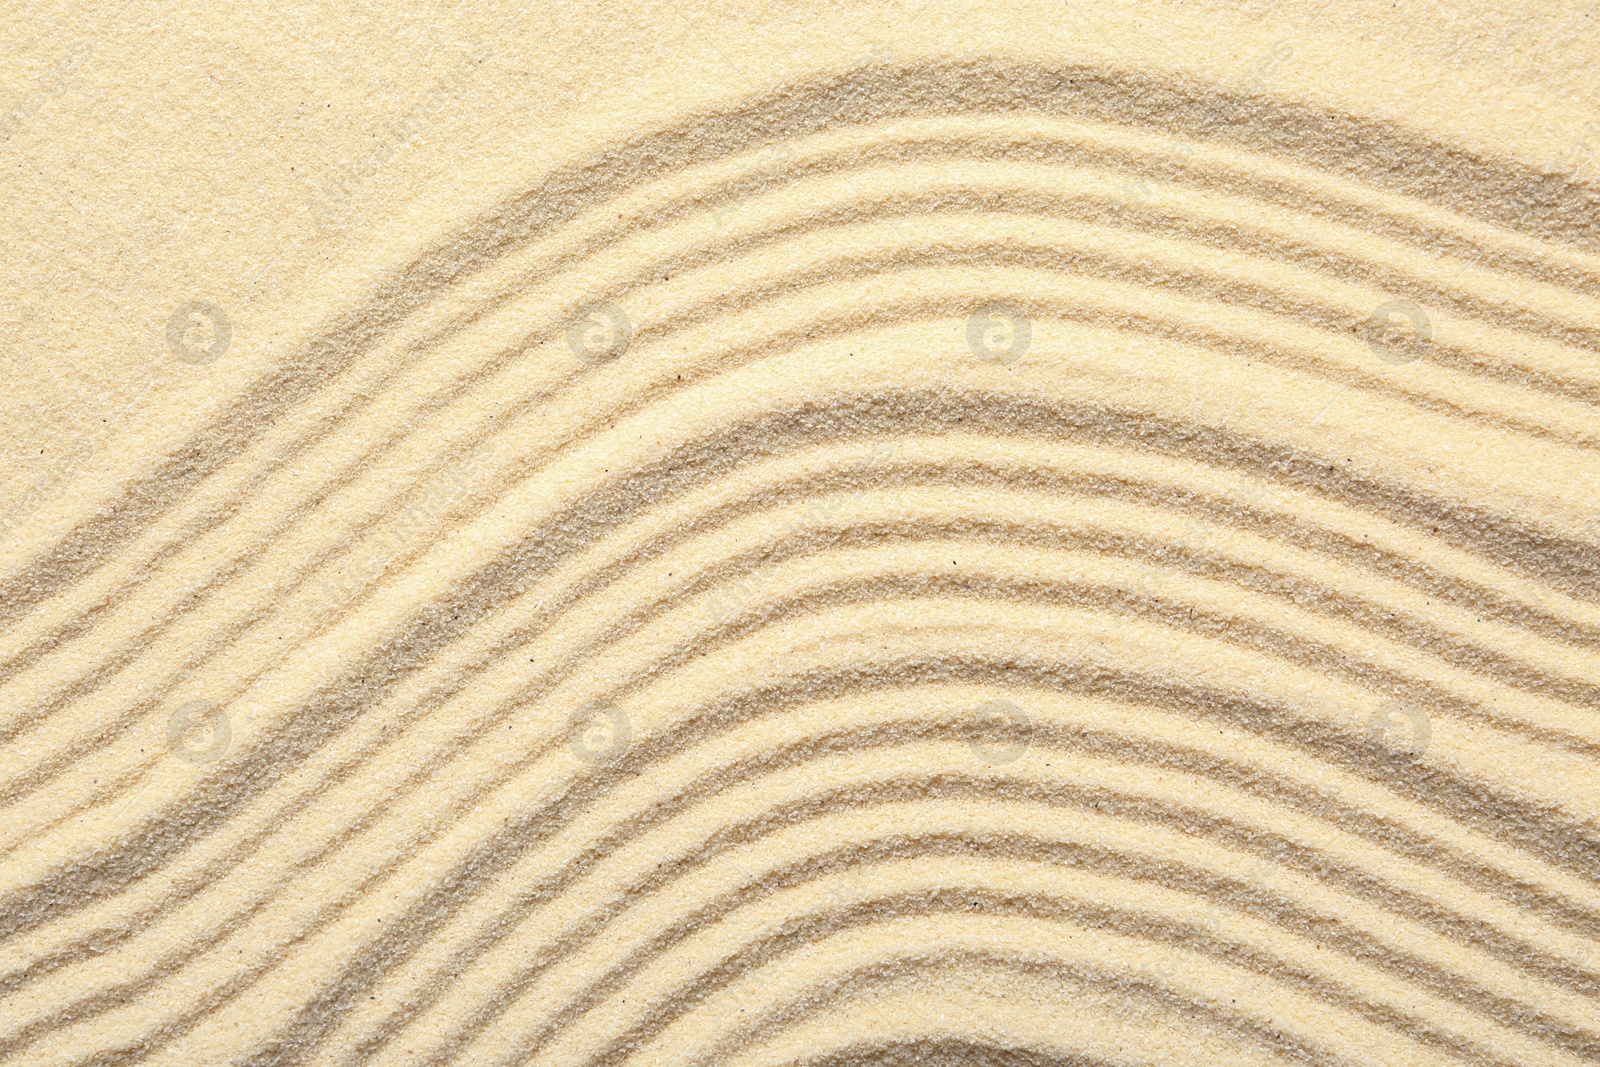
<point x="899" y="533"/>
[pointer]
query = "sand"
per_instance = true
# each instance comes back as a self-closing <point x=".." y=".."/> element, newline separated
<point x="926" y="533"/>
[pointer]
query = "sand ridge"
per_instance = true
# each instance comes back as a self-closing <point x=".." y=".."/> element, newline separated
<point x="965" y="560"/>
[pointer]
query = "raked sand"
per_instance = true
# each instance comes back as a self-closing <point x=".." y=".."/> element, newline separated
<point x="920" y="533"/>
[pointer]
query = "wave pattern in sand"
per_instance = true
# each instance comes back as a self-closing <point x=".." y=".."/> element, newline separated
<point x="959" y="564"/>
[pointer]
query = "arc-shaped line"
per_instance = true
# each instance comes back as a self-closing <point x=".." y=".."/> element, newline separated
<point x="1177" y="876"/>
<point x="325" y="1011"/>
<point x="1377" y="153"/>
<point x="802" y="605"/>
<point x="1079" y="263"/>
<point x="76" y="626"/>
<point x="101" y="945"/>
<point x="1535" y="680"/>
<point x="50" y="642"/>
<point x="1046" y="149"/>
<point x="1559" y="551"/>
<point x="1016" y="1054"/>
<point x="801" y="931"/>
<point x="1302" y="649"/>
<point x="494" y="854"/>
<point x="79" y="688"/>
<point x="1160" y="436"/>
<point x="80" y="623"/>
<point x="964" y="200"/>
<point x="653" y="271"/>
<point x="948" y="1052"/>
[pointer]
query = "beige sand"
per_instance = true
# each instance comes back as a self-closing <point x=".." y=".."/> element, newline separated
<point x="893" y="533"/>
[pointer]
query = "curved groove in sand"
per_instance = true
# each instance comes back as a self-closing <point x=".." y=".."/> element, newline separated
<point x="1488" y="888"/>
